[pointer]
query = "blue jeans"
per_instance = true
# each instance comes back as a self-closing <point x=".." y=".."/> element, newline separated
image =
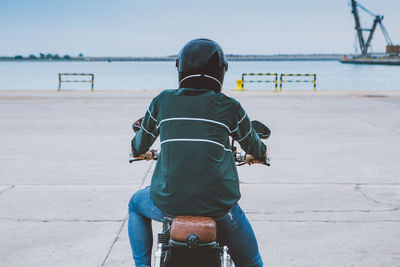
<point x="234" y="230"/>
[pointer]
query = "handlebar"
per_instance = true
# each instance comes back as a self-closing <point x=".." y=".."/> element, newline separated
<point x="154" y="157"/>
<point x="240" y="157"/>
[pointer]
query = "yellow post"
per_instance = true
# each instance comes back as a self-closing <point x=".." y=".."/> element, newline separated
<point x="239" y="86"/>
<point x="59" y="82"/>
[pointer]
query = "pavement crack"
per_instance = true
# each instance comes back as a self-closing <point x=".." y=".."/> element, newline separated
<point x="115" y="240"/>
<point x="8" y="188"/>
<point x="330" y="221"/>
<point x="58" y="220"/>
<point x="319" y="211"/>
<point x="83" y="185"/>
<point x="242" y="182"/>
<point x="357" y="188"/>
<point x="280" y="183"/>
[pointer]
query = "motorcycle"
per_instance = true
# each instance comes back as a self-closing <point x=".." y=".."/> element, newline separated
<point x="192" y="240"/>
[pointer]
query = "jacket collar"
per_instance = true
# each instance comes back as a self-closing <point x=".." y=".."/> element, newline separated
<point x="195" y="91"/>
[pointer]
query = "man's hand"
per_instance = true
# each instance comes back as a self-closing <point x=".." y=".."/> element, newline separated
<point x="250" y="159"/>
<point x="147" y="156"/>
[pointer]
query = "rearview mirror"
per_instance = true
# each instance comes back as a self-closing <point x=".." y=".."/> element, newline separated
<point x="262" y="131"/>
<point x="137" y="124"/>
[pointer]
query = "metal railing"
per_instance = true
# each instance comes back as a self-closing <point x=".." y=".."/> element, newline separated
<point x="298" y="81"/>
<point x="240" y="83"/>
<point x="60" y="80"/>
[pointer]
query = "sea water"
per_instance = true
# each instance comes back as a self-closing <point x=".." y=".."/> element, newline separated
<point x="136" y="75"/>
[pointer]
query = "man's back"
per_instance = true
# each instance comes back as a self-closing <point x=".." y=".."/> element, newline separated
<point x="195" y="172"/>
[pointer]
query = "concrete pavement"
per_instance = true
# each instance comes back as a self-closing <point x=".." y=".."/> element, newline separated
<point x="330" y="198"/>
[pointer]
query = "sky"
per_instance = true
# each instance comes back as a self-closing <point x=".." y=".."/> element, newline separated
<point x="162" y="27"/>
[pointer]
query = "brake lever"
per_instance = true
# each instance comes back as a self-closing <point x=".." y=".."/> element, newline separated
<point x="132" y="160"/>
<point x="267" y="161"/>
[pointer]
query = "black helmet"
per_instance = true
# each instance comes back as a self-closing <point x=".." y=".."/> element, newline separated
<point x="201" y="64"/>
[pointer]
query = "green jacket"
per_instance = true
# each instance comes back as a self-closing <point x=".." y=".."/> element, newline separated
<point x="195" y="172"/>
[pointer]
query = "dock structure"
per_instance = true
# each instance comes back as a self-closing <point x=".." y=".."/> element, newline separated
<point x="329" y="198"/>
<point x="372" y="60"/>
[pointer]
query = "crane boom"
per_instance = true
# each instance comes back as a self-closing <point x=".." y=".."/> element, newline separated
<point x="377" y="20"/>
<point x="392" y="56"/>
<point x="364" y="45"/>
<point x="358" y="26"/>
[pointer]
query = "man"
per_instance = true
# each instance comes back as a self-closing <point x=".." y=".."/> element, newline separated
<point x="195" y="172"/>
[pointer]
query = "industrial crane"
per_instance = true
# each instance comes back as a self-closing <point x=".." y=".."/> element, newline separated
<point x="364" y="45"/>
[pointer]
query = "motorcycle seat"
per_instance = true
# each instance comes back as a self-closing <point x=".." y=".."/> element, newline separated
<point x="204" y="227"/>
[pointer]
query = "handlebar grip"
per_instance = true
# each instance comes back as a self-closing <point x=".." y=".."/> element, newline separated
<point x="154" y="156"/>
<point x="240" y="157"/>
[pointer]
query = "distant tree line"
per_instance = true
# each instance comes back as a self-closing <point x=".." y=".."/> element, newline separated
<point x="43" y="56"/>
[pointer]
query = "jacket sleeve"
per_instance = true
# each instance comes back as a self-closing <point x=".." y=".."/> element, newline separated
<point x="247" y="136"/>
<point x="148" y="131"/>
